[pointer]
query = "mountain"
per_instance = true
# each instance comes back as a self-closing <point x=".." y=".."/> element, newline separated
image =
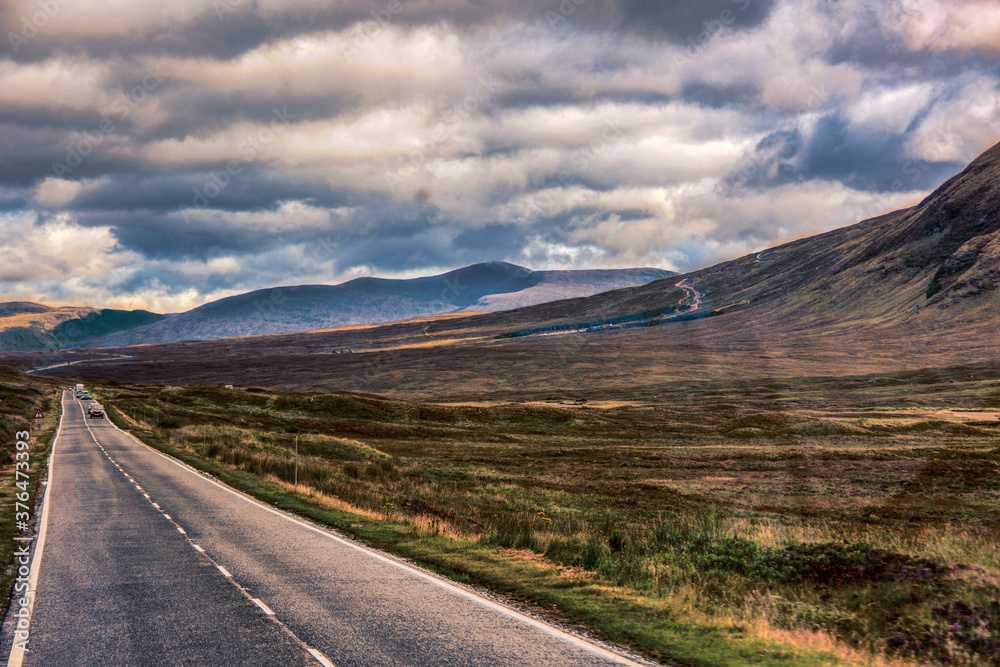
<point x="32" y="326"/>
<point x="489" y="286"/>
<point x="910" y="290"/>
<point x="938" y="259"/>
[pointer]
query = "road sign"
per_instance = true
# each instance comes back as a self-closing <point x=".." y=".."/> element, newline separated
<point x="39" y="417"/>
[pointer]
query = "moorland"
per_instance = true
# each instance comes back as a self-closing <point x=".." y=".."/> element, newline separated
<point x="849" y="520"/>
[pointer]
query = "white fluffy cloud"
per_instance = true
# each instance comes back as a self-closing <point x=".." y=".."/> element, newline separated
<point x="55" y="251"/>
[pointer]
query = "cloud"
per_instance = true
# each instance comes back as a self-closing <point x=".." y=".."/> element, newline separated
<point x="209" y="147"/>
<point x="55" y="192"/>
<point x="688" y="22"/>
<point x="53" y="248"/>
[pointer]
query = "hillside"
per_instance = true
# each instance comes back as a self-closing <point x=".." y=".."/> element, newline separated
<point x="903" y="266"/>
<point x="30" y="326"/>
<point x="480" y="287"/>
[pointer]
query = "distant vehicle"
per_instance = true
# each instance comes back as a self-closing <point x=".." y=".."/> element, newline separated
<point x="96" y="413"/>
<point x="79" y="387"/>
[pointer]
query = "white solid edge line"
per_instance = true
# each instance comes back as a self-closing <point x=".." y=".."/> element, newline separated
<point x="511" y="613"/>
<point x="322" y="659"/>
<point x="264" y="607"/>
<point x="17" y="657"/>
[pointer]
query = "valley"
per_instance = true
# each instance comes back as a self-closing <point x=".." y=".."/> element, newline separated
<point x="804" y="521"/>
<point x="787" y="460"/>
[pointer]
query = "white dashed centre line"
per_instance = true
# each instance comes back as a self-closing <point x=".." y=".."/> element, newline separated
<point x="264" y="607"/>
<point x="322" y="659"/>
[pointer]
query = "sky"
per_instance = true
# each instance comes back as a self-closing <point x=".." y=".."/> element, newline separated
<point x="164" y="156"/>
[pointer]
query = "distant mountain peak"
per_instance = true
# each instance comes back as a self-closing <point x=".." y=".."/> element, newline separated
<point x="487" y="286"/>
<point x="492" y="267"/>
<point x="513" y="268"/>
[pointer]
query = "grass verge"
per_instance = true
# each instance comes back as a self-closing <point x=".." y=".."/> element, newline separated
<point x="20" y="396"/>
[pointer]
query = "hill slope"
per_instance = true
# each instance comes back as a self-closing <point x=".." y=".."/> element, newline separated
<point x="480" y="287"/>
<point x="31" y="326"/>
<point x="904" y="266"/>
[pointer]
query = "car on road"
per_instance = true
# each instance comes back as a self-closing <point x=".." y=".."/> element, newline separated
<point x="96" y="412"/>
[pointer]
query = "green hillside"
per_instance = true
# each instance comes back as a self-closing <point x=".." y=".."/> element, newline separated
<point x="29" y="327"/>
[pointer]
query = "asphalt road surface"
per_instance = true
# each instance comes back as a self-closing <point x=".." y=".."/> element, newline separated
<point x="147" y="562"/>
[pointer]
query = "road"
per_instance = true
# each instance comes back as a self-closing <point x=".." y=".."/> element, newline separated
<point x="78" y="361"/>
<point x="148" y="562"/>
<point x="695" y="296"/>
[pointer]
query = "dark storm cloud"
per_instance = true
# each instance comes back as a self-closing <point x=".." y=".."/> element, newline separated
<point x="526" y="96"/>
<point x="495" y="239"/>
<point x="519" y="95"/>
<point x="863" y="160"/>
<point x="85" y="144"/>
<point x="416" y="249"/>
<point x="227" y="28"/>
<point x="203" y="234"/>
<point x="27" y="154"/>
<point x="172" y="236"/>
<point x="719" y="96"/>
<point x="164" y="276"/>
<point x="220" y="32"/>
<point x="255" y="187"/>
<point x="446" y="243"/>
<point x="688" y="22"/>
<point x="48" y="118"/>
